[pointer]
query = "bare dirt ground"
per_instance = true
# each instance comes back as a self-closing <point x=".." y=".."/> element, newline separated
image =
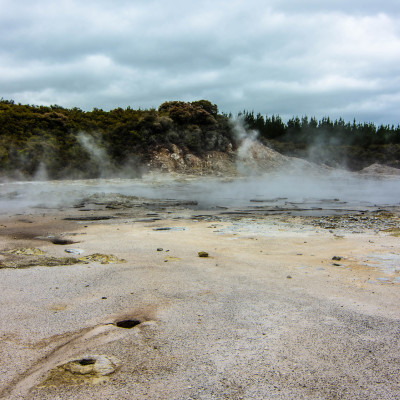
<point x="269" y="314"/>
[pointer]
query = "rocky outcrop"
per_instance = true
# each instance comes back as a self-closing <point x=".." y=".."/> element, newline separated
<point x="256" y="158"/>
<point x="180" y="161"/>
<point x="250" y="158"/>
<point x="379" y="169"/>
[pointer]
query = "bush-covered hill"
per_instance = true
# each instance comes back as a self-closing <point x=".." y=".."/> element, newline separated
<point x="76" y="143"/>
<point x="72" y="142"/>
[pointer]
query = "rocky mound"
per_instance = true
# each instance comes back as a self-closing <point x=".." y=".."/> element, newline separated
<point x="379" y="169"/>
<point x="250" y="158"/>
<point x="256" y="158"/>
<point x="180" y="161"/>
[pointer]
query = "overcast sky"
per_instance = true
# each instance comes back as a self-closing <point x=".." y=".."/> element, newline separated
<point x="286" y="57"/>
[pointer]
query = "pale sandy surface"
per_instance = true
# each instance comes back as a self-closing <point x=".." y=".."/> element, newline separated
<point x="266" y="316"/>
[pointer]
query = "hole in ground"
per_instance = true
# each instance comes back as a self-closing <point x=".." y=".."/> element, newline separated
<point x="87" y="361"/>
<point x="62" y="241"/>
<point x="127" y="323"/>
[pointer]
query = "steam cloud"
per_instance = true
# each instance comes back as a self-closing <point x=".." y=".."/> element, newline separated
<point x="246" y="139"/>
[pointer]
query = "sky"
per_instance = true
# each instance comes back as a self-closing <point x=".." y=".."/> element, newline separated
<point x="319" y="58"/>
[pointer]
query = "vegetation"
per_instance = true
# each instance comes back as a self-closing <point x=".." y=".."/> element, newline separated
<point x="336" y="143"/>
<point x="75" y="143"/>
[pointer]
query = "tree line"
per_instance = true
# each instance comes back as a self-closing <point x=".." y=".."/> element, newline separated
<point x="333" y="142"/>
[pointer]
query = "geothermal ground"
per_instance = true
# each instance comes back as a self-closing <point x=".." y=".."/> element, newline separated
<point x="110" y="297"/>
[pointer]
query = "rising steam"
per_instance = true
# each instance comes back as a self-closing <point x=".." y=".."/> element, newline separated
<point x="246" y="139"/>
<point x="96" y="153"/>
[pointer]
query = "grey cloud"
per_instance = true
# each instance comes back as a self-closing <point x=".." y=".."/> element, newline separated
<point x="286" y="57"/>
<point x="358" y="7"/>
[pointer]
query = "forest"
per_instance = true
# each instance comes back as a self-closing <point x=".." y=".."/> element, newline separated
<point x="334" y="143"/>
<point x="72" y="143"/>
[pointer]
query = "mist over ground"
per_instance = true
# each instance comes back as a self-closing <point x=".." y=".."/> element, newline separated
<point x="327" y="189"/>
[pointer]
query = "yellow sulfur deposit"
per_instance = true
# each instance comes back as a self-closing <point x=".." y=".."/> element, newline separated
<point x="102" y="258"/>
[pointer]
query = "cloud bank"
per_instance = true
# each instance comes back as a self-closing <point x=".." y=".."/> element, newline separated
<point x="335" y="58"/>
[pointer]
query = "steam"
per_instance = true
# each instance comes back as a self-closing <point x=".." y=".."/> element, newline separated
<point x="255" y="159"/>
<point x="41" y="173"/>
<point x="99" y="157"/>
<point x="319" y="150"/>
<point x="325" y="190"/>
<point x="246" y="139"/>
<point x="96" y="153"/>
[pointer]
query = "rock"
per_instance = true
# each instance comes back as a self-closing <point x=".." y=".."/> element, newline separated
<point x="74" y="251"/>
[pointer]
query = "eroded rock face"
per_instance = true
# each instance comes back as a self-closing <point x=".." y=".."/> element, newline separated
<point x="181" y="160"/>
<point x="251" y="158"/>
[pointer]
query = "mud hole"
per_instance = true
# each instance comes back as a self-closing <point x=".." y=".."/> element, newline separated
<point x="128" y="323"/>
<point x="62" y="241"/>
<point x="90" y="369"/>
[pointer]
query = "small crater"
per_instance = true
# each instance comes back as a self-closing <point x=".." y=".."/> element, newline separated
<point x="62" y="241"/>
<point x="87" y="361"/>
<point x="90" y="369"/>
<point x="128" y="323"/>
